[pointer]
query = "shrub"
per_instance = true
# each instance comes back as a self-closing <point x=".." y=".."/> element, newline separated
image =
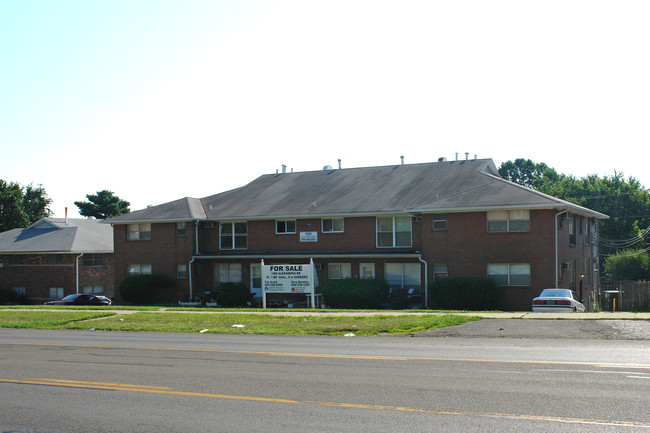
<point x="399" y="299"/>
<point x="632" y="265"/>
<point x="356" y="293"/>
<point x="464" y="294"/>
<point x="234" y="295"/>
<point x="10" y="297"/>
<point x="148" y="289"/>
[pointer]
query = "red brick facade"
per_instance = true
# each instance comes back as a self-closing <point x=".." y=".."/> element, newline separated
<point x="38" y="274"/>
<point x="465" y="247"/>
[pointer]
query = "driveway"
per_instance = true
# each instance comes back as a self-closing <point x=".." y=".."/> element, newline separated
<point x="544" y="328"/>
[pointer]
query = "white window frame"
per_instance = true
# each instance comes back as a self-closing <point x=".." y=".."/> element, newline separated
<point x="181" y="229"/>
<point x="282" y="227"/>
<point x="333" y="226"/>
<point x="339" y="271"/>
<point x="439" y="221"/>
<point x="393" y="231"/>
<point x="504" y="273"/>
<point x="93" y="260"/>
<point x="226" y="273"/>
<point x="138" y="232"/>
<point x="502" y="221"/>
<point x="94" y="290"/>
<point x="256" y="277"/>
<point x="181" y="271"/>
<point x="233" y="235"/>
<point x="403" y="271"/>
<point x="440" y="271"/>
<point x="370" y="267"/>
<point x="56" y="292"/>
<point x="138" y="269"/>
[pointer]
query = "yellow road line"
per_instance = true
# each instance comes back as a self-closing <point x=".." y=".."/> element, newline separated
<point x="167" y="391"/>
<point x="340" y="356"/>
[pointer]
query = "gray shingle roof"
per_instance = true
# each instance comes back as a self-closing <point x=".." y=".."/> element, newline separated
<point x="50" y="235"/>
<point x="432" y="187"/>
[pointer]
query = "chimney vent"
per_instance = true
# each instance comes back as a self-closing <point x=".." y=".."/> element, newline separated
<point x="402" y="158"/>
<point x="339" y="163"/>
<point x="284" y="168"/>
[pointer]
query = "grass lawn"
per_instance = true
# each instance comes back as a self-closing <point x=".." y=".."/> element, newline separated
<point x="161" y="321"/>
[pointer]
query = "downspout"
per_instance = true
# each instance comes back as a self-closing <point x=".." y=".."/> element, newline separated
<point x="77" y="266"/>
<point x="196" y="252"/>
<point x="190" y="273"/>
<point x="426" y="280"/>
<point x="557" y="264"/>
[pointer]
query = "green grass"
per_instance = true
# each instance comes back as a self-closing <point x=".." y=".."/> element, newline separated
<point x="157" y="321"/>
<point x="47" y="319"/>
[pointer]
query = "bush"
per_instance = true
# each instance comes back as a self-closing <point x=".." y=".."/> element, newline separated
<point x="9" y="297"/>
<point x="356" y="293"/>
<point x="148" y="290"/>
<point x="633" y="265"/>
<point x="464" y="294"/>
<point x="234" y="295"/>
<point x="399" y="299"/>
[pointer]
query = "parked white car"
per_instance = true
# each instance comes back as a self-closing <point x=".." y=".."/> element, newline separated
<point x="557" y="300"/>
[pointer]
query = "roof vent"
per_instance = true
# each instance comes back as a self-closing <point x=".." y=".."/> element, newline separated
<point x="339" y="163"/>
<point x="442" y="159"/>
<point x="327" y="167"/>
<point x="402" y="158"/>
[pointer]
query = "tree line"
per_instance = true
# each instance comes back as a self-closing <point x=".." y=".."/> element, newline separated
<point x="624" y="236"/>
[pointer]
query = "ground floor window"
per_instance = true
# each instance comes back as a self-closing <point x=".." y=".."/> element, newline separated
<point x="338" y="271"/>
<point x="56" y="292"/>
<point x="440" y="272"/>
<point x="403" y="275"/>
<point x="367" y="270"/>
<point x="256" y="279"/>
<point x="94" y="290"/>
<point x="181" y="271"/>
<point x="227" y="273"/>
<point x="19" y="290"/>
<point x="509" y="274"/>
<point x="138" y="269"/>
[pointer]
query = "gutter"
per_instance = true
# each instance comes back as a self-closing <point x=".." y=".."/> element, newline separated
<point x="77" y="270"/>
<point x="557" y="264"/>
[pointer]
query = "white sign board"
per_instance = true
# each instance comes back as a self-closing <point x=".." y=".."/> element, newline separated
<point x="308" y="236"/>
<point x="287" y="279"/>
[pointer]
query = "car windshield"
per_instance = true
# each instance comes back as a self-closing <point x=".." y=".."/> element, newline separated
<point x="70" y="298"/>
<point x="555" y="293"/>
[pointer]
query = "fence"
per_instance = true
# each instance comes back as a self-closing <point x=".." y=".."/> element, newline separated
<point x="629" y="295"/>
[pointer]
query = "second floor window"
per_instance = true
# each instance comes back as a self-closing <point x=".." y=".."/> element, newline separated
<point x="233" y="236"/>
<point x="181" y="229"/>
<point x="332" y="225"/>
<point x="394" y="231"/>
<point x="508" y="221"/>
<point x="285" y="226"/>
<point x="93" y="260"/>
<point x="138" y="269"/>
<point x="138" y="232"/>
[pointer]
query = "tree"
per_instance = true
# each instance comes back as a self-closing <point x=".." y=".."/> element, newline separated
<point x="102" y="205"/>
<point x="625" y="201"/>
<point x="21" y="207"/>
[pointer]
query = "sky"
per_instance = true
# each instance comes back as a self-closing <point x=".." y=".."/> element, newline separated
<point x="159" y="100"/>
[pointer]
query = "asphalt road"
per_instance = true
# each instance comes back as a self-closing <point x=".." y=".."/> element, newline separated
<point x="66" y="381"/>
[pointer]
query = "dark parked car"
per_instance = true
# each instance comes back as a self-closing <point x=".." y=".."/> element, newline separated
<point x="81" y="299"/>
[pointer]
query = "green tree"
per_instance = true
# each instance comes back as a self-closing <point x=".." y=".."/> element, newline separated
<point x="628" y="265"/>
<point x="102" y="205"/>
<point x="624" y="200"/>
<point x="21" y="207"/>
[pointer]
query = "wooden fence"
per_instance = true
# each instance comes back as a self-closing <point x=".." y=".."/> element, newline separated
<point x="629" y="295"/>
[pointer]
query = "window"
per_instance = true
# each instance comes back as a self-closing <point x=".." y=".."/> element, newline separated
<point x="138" y="232"/>
<point x="283" y="227"/>
<point x="367" y="270"/>
<point x="508" y="221"/>
<point x="17" y="260"/>
<point x="394" y="231"/>
<point x="138" y="270"/>
<point x="510" y="274"/>
<point x="94" y="290"/>
<point x="181" y="271"/>
<point x="332" y="225"/>
<point x="91" y="260"/>
<point x="572" y="230"/>
<point x="588" y="272"/>
<point x="338" y="271"/>
<point x="54" y="259"/>
<point x="233" y="236"/>
<point x="256" y="279"/>
<point x="403" y="275"/>
<point x="227" y="273"/>
<point x="19" y="290"/>
<point x="587" y="230"/>
<point x="439" y="272"/>
<point x="440" y="221"/>
<point x="181" y="229"/>
<point x="56" y="292"/>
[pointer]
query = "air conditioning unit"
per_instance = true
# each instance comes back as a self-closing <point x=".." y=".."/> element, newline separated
<point x="566" y="266"/>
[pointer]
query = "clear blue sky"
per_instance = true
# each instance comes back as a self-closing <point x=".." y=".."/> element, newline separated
<point x="158" y="100"/>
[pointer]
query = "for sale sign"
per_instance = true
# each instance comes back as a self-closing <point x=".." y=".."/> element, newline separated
<point x="288" y="279"/>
